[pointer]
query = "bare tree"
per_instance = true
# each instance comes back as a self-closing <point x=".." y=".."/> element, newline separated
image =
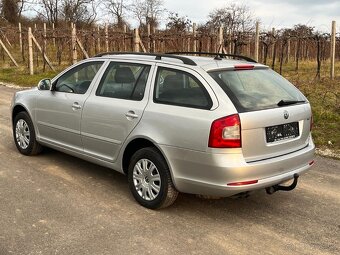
<point x="49" y="9"/>
<point x="237" y="21"/>
<point x="11" y="10"/>
<point x="116" y="8"/>
<point x="148" y="11"/>
<point x="76" y="11"/>
<point x="79" y="11"/>
<point x="178" y="23"/>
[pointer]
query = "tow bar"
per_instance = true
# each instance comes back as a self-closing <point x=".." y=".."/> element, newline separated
<point x="277" y="187"/>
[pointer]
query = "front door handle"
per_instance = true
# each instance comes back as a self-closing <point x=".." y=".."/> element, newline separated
<point x="131" y="115"/>
<point x="76" y="106"/>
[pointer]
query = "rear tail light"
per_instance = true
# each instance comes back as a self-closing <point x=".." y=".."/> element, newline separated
<point x="226" y="132"/>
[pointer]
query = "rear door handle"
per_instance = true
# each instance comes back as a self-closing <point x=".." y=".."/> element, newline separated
<point x="76" y="106"/>
<point x="131" y="114"/>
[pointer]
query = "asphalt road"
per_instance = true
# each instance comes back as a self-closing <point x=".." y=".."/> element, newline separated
<point x="57" y="204"/>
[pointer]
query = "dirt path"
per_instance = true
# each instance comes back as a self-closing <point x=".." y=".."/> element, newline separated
<point x="58" y="204"/>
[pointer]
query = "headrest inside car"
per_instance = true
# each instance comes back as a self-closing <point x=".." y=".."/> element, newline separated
<point x="124" y="75"/>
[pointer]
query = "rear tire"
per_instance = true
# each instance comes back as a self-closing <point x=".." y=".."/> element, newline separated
<point x="149" y="179"/>
<point x="24" y="135"/>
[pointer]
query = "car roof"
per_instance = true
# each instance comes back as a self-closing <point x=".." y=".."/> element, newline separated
<point x="207" y="63"/>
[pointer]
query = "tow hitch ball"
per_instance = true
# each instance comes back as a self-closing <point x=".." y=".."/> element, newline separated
<point x="277" y="187"/>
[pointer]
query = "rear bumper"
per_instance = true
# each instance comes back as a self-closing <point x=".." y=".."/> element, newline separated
<point x="209" y="173"/>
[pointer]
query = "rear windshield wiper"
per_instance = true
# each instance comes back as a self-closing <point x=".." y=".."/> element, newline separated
<point x="289" y="102"/>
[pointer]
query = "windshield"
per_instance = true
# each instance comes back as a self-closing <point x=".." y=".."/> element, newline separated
<point x="257" y="89"/>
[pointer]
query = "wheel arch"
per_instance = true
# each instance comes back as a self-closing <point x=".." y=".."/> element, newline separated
<point x="137" y="144"/>
<point x="19" y="108"/>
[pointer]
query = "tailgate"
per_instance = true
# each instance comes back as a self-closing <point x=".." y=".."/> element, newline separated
<point x="257" y="142"/>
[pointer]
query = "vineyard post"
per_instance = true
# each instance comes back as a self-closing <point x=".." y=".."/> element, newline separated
<point x="220" y="39"/>
<point x="20" y="37"/>
<point x="45" y="41"/>
<point x="98" y="39"/>
<point x="257" y="40"/>
<point x="124" y="43"/>
<point x="274" y="49"/>
<point x="194" y="35"/>
<point x="53" y="34"/>
<point x="273" y="42"/>
<point x="288" y="50"/>
<point x="148" y="40"/>
<point x="188" y="40"/>
<point x="74" y="44"/>
<point x="8" y="53"/>
<point x="44" y="45"/>
<point x="135" y="37"/>
<point x="153" y="39"/>
<point x="30" y="51"/>
<point x="106" y="38"/>
<point x="333" y="41"/>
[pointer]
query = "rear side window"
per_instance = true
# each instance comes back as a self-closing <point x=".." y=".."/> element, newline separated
<point x="257" y="89"/>
<point x="124" y="81"/>
<point x="180" y="88"/>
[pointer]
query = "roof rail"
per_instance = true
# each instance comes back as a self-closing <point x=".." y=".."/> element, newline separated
<point x="158" y="56"/>
<point x="217" y="55"/>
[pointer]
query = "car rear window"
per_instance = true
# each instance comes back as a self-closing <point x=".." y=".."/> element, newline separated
<point x="257" y="89"/>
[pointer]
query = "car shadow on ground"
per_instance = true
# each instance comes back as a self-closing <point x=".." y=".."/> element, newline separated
<point x="82" y="169"/>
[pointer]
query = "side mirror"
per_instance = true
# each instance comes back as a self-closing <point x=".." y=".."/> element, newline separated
<point x="44" y="84"/>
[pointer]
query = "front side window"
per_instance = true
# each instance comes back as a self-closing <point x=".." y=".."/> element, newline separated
<point x="176" y="87"/>
<point x="124" y="81"/>
<point x="78" y="79"/>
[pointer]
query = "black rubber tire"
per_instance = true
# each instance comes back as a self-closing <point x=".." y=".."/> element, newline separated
<point x="168" y="193"/>
<point x="34" y="147"/>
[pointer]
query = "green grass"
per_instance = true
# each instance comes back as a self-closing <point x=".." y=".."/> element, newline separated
<point x="22" y="78"/>
<point x="323" y="95"/>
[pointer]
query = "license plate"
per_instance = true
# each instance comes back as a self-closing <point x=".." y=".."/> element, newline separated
<point x="282" y="132"/>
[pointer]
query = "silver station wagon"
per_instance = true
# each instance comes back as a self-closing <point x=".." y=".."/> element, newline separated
<point x="218" y="125"/>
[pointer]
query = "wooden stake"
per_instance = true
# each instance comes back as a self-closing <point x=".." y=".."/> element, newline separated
<point x="288" y="50"/>
<point x="194" y="35"/>
<point x="42" y="52"/>
<point x="124" y="43"/>
<point x="30" y="51"/>
<point x="149" y="41"/>
<point x="273" y="44"/>
<point x="106" y="38"/>
<point x="8" y="53"/>
<point x="98" y="38"/>
<point x="136" y="40"/>
<point x="20" y="37"/>
<point x="53" y="34"/>
<point x="333" y="41"/>
<point x="82" y="48"/>
<point x="73" y="44"/>
<point x="220" y="39"/>
<point x="257" y="41"/>
<point x="45" y="41"/>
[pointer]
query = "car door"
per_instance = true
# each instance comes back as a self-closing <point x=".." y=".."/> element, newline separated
<point x="58" y="111"/>
<point x="114" y="108"/>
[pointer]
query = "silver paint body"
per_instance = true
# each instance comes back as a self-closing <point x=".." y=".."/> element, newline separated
<point x="98" y="130"/>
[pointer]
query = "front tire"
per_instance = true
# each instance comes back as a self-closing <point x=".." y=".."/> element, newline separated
<point x="149" y="179"/>
<point x="24" y="135"/>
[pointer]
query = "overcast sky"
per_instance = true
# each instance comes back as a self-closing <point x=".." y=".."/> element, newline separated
<point x="272" y="13"/>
